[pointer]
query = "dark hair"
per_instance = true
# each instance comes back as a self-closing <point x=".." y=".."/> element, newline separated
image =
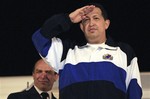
<point x="34" y="67"/>
<point x="104" y="13"/>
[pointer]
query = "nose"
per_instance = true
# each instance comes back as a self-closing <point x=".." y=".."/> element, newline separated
<point x="91" y="23"/>
<point x="43" y="75"/>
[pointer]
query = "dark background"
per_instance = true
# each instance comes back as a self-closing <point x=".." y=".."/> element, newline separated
<point x="19" y="19"/>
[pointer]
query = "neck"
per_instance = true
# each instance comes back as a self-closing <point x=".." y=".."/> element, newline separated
<point x="97" y="41"/>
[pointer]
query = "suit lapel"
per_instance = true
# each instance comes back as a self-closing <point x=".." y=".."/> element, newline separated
<point x="33" y="94"/>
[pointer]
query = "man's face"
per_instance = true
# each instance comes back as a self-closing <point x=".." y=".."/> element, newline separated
<point x="94" y="26"/>
<point x="44" y="77"/>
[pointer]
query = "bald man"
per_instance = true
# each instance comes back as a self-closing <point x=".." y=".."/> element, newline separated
<point x="44" y="78"/>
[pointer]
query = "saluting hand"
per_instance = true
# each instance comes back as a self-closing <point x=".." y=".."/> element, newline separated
<point x="79" y="14"/>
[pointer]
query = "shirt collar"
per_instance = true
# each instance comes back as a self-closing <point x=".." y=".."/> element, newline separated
<point x="99" y="46"/>
<point x="39" y="91"/>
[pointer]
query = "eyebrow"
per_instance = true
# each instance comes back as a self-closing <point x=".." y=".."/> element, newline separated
<point x="43" y="70"/>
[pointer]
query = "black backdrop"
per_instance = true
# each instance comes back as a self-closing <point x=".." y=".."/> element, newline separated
<point x="20" y="18"/>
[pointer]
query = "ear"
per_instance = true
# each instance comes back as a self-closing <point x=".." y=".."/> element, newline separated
<point x="56" y="76"/>
<point x="107" y="23"/>
<point x="81" y="26"/>
<point x="33" y="73"/>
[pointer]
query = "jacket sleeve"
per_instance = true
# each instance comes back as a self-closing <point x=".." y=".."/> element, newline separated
<point x="134" y="87"/>
<point x="55" y="25"/>
<point x="133" y="80"/>
<point x="45" y="40"/>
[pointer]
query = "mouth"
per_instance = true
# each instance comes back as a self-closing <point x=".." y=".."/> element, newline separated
<point x="92" y="30"/>
<point x="43" y="81"/>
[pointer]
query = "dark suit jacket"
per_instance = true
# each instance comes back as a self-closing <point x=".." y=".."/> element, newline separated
<point x="27" y="94"/>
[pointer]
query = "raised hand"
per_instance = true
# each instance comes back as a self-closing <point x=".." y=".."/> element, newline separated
<point x="79" y="14"/>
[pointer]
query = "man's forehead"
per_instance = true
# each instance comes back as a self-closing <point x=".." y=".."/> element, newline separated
<point x="43" y="67"/>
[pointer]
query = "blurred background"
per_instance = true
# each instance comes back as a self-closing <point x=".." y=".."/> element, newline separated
<point x="19" y="19"/>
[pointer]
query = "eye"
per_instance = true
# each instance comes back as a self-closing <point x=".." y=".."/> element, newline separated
<point x="85" y="20"/>
<point x="38" y="71"/>
<point x="96" y="18"/>
<point x="49" y="72"/>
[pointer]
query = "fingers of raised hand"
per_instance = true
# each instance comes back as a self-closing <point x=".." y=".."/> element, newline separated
<point x="87" y="9"/>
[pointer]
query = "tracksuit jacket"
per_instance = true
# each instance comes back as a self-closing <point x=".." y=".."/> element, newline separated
<point x="89" y="71"/>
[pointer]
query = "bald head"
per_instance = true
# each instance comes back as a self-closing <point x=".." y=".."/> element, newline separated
<point x="42" y="63"/>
